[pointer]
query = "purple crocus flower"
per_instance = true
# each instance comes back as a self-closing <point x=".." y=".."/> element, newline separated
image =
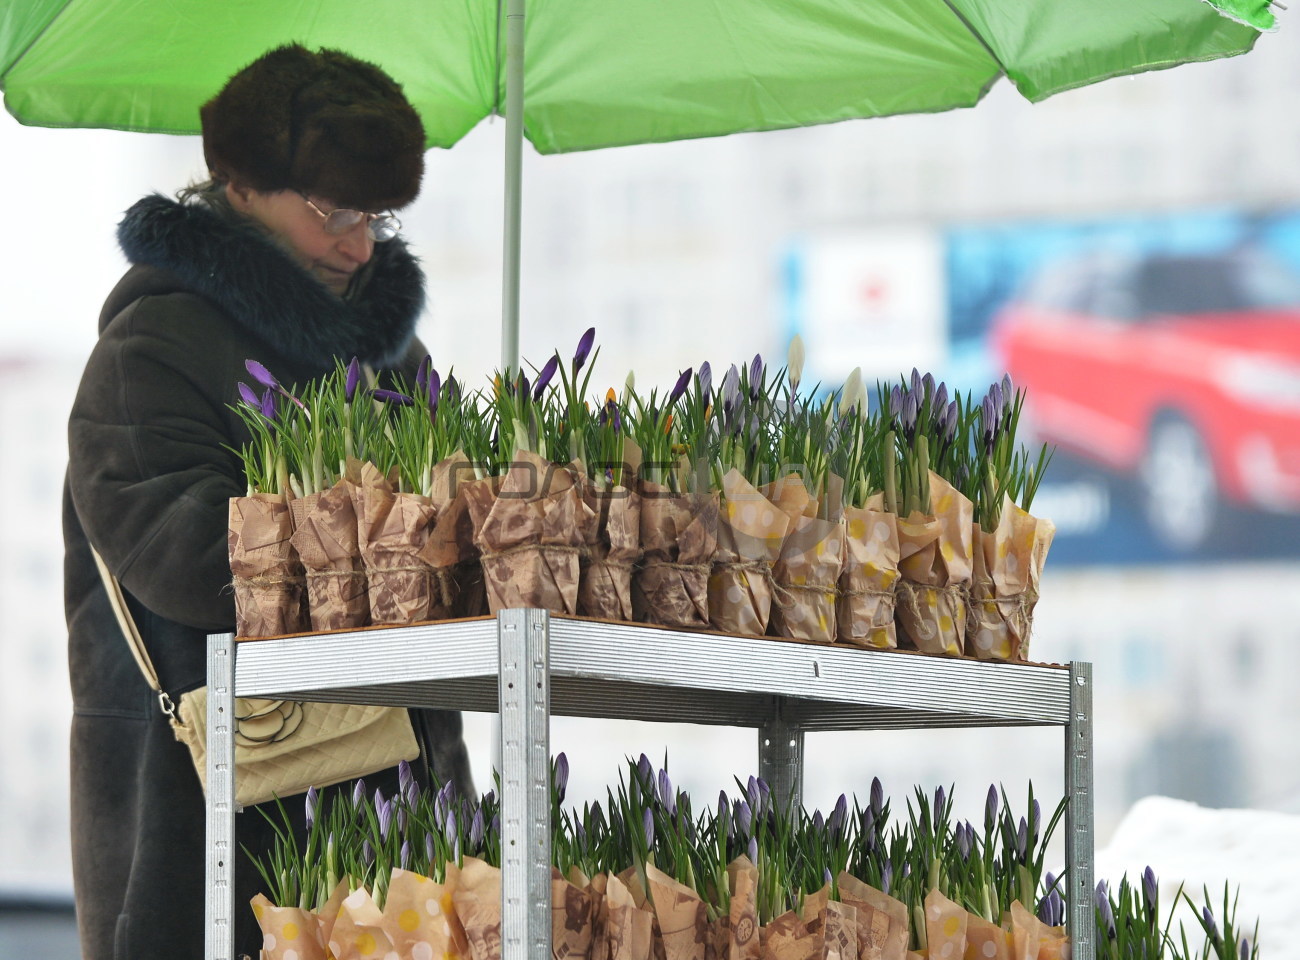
<point x="1243" y="950"/>
<point x="939" y="403"/>
<point x="680" y="386"/>
<point x="544" y="376"/>
<point x="453" y="388"/>
<point x="666" y="796"/>
<point x="840" y="815"/>
<point x="1150" y="889"/>
<point x="449" y="830"/>
<point x="358" y="794"/>
<point x="312" y="799"/>
<point x="927" y="385"/>
<point x="1211" y="928"/>
<point x="995" y="395"/>
<point x="384" y="810"/>
<point x="353" y="378"/>
<point x="411" y="793"/>
<point x="1022" y="840"/>
<point x="249" y="396"/>
<point x="406" y="855"/>
<point x="261" y="374"/>
<point x="267" y="405"/>
<point x="751" y="850"/>
<point x="950" y="422"/>
<point x="908" y="418"/>
<point x="826" y="876"/>
<point x="1008" y="388"/>
<point x="648" y="827"/>
<point x="744" y="817"/>
<point x="367" y="853"/>
<point x="991" y="808"/>
<point x="886" y="877"/>
<point x="963" y="840"/>
<point x="428" y="847"/>
<point x="764" y="793"/>
<point x="877" y="798"/>
<point x="561" y="775"/>
<point x="524" y="388"/>
<point x="392" y="396"/>
<point x="400" y="816"/>
<point x="706" y="382"/>
<point x="869" y="830"/>
<point x="895" y="401"/>
<point x="645" y="772"/>
<point x="1035" y="821"/>
<point x="404" y="776"/>
<point x="422" y="372"/>
<point x="915" y="381"/>
<point x="818" y="822"/>
<point x="435" y="389"/>
<point x="756" y="373"/>
<point x="476" y="829"/>
<point x="938" y="807"/>
<point x="584" y="348"/>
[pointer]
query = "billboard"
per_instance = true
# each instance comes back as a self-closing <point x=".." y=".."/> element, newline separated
<point x="1161" y="358"/>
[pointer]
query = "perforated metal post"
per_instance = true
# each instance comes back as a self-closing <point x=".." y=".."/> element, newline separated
<point x="525" y="702"/>
<point x="1078" y="815"/>
<point x="780" y="759"/>
<point x="219" y="939"/>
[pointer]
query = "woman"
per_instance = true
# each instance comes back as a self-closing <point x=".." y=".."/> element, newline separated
<point x="288" y="257"/>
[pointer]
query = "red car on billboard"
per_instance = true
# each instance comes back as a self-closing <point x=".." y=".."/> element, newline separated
<point x="1181" y="372"/>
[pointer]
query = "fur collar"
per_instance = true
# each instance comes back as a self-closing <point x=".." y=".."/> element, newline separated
<point x="240" y="268"/>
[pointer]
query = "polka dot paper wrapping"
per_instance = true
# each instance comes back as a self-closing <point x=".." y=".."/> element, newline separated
<point x="1008" y="565"/>
<point x="869" y="576"/>
<point x="358" y="933"/>
<point x="807" y="571"/>
<point x="935" y="561"/>
<point x="750" y="533"/>
<point x="1031" y="939"/>
<point x="419" y="919"/>
<point x="985" y="940"/>
<point x="288" y="933"/>
<point x="945" y="927"/>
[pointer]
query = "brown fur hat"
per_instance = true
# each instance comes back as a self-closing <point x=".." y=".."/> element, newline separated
<point x="323" y="123"/>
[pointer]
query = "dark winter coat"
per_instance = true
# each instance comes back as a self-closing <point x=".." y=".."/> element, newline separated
<point x="148" y="484"/>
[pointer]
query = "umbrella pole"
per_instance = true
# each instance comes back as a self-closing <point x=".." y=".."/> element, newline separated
<point x="514" y="184"/>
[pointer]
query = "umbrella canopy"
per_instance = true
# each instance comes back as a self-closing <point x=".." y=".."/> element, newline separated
<point x="600" y="74"/>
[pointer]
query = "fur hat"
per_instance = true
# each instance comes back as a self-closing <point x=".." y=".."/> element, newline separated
<point x="323" y="123"/>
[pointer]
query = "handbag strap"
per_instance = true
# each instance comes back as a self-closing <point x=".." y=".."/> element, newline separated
<point x="132" y="634"/>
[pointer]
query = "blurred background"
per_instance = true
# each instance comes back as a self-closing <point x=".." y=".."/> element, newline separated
<point x="1128" y="252"/>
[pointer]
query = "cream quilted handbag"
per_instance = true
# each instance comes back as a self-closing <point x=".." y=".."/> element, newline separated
<point x="282" y="747"/>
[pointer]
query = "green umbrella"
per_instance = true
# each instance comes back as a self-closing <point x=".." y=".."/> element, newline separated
<point x="600" y="73"/>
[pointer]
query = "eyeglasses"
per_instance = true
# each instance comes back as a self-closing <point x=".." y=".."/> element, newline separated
<point x="379" y="226"/>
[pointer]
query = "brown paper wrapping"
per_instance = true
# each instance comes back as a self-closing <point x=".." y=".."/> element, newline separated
<point x="945" y="927"/>
<point x="738" y="937"/>
<point x="935" y="561"/>
<point x="477" y="901"/>
<point x="683" y="917"/>
<point x="750" y="532"/>
<point x="985" y="940"/>
<point x="613" y="546"/>
<point x="834" y="923"/>
<point x="628" y="930"/>
<point x="478" y="499"/>
<point x="392" y="529"/>
<point x="325" y="537"/>
<point x="1031" y="939"/>
<point x="531" y="537"/>
<point x="599" y="914"/>
<point x="883" y="928"/>
<point x="268" y="579"/>
<point x="869" y="578"/>
<point x="449" y="548"/>
<point x="288" y="933"/>
<point x="358" y="932"/>
<point x="1008" y="565"/>
<point x="572" y="919"/>
<point x="679" y="535"/>
<point x="419" y="918"/>
<point x="786" y="938"/>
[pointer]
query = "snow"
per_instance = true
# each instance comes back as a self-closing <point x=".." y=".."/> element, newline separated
<point x="1254" y="850"/>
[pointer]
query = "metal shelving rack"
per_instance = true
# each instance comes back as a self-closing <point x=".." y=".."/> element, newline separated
<point x="530" y="665"/>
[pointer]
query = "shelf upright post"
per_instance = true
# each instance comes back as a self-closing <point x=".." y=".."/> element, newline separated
<point x="524" y="684"/>
<point x="220" y="929"/>
<point x="780" y="758"/>
<point x="1079" y="846"/>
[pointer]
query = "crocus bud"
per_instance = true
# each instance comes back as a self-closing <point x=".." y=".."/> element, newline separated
<point x="645" y="772"/>
<point x="755" y="376"/>
<point x="1008" y="389"/>
<point x="1211" y="928"/>
<point x="751" y="850"/>
<point x="886" y="877"/>
<point x="794" y="361"/>
<point x="267" y="406"/>
<point x="449" y="830"/>
<point x="1035" y="822"/>
<point x="404" y="776"/>
<point x="422" y="372"/>
<point x="392" y="396"/>
<point x="940" y="402"/>
<point x="1243" y="949"/>
<point x="963" y="841"/>
<point x="991" y="808"/>
<point x="666" y="796"/>
<point x="358" y="793"/>
<point x="247" y="394"/>
<point x="927" y="386"/>
<point x="351" y="380"/>
<point x="561" y="776"/>
<point x="877" y="798"/>
<point x="1150" y="889"/>
<point x="435" y="390"/>
<point x="384" y="811"/>
<point x="584" y="348"/>
<point x="406" y="855"/>
<point x="544" y="377"/>
<point x="744" y="817"/>
<point x="1022" y="840"/>
<point x="476" y="825"/>
<point x="938" y="807"/>
<point x="312" y="799"/>
<point x="826" y="876"/>
<point x="260" y="374"/>
<point x="1102" y="896"/>
<point x="428" y="847"/>
<point x="730" y="389"/>
<point x="851" y="394"/>
<point x="818" y="822"/>
<point x="895" y="401"/>
<point x="915" y="381"/>
<point x="453" y="388"/>
<point x="648" y="827"/>
<point x="706" y="382"/>
<point x="908" y="418"/>
<point x="680" y="386"/>
<point x="840" y="815"/>
<point x="400" y="815"/>
<point x="764" y="793"/>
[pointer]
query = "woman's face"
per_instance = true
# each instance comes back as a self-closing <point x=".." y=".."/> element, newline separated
<point x="330" y="258"/>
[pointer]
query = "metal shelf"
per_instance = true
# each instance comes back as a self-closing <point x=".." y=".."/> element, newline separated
<point x="530" y="665"/>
